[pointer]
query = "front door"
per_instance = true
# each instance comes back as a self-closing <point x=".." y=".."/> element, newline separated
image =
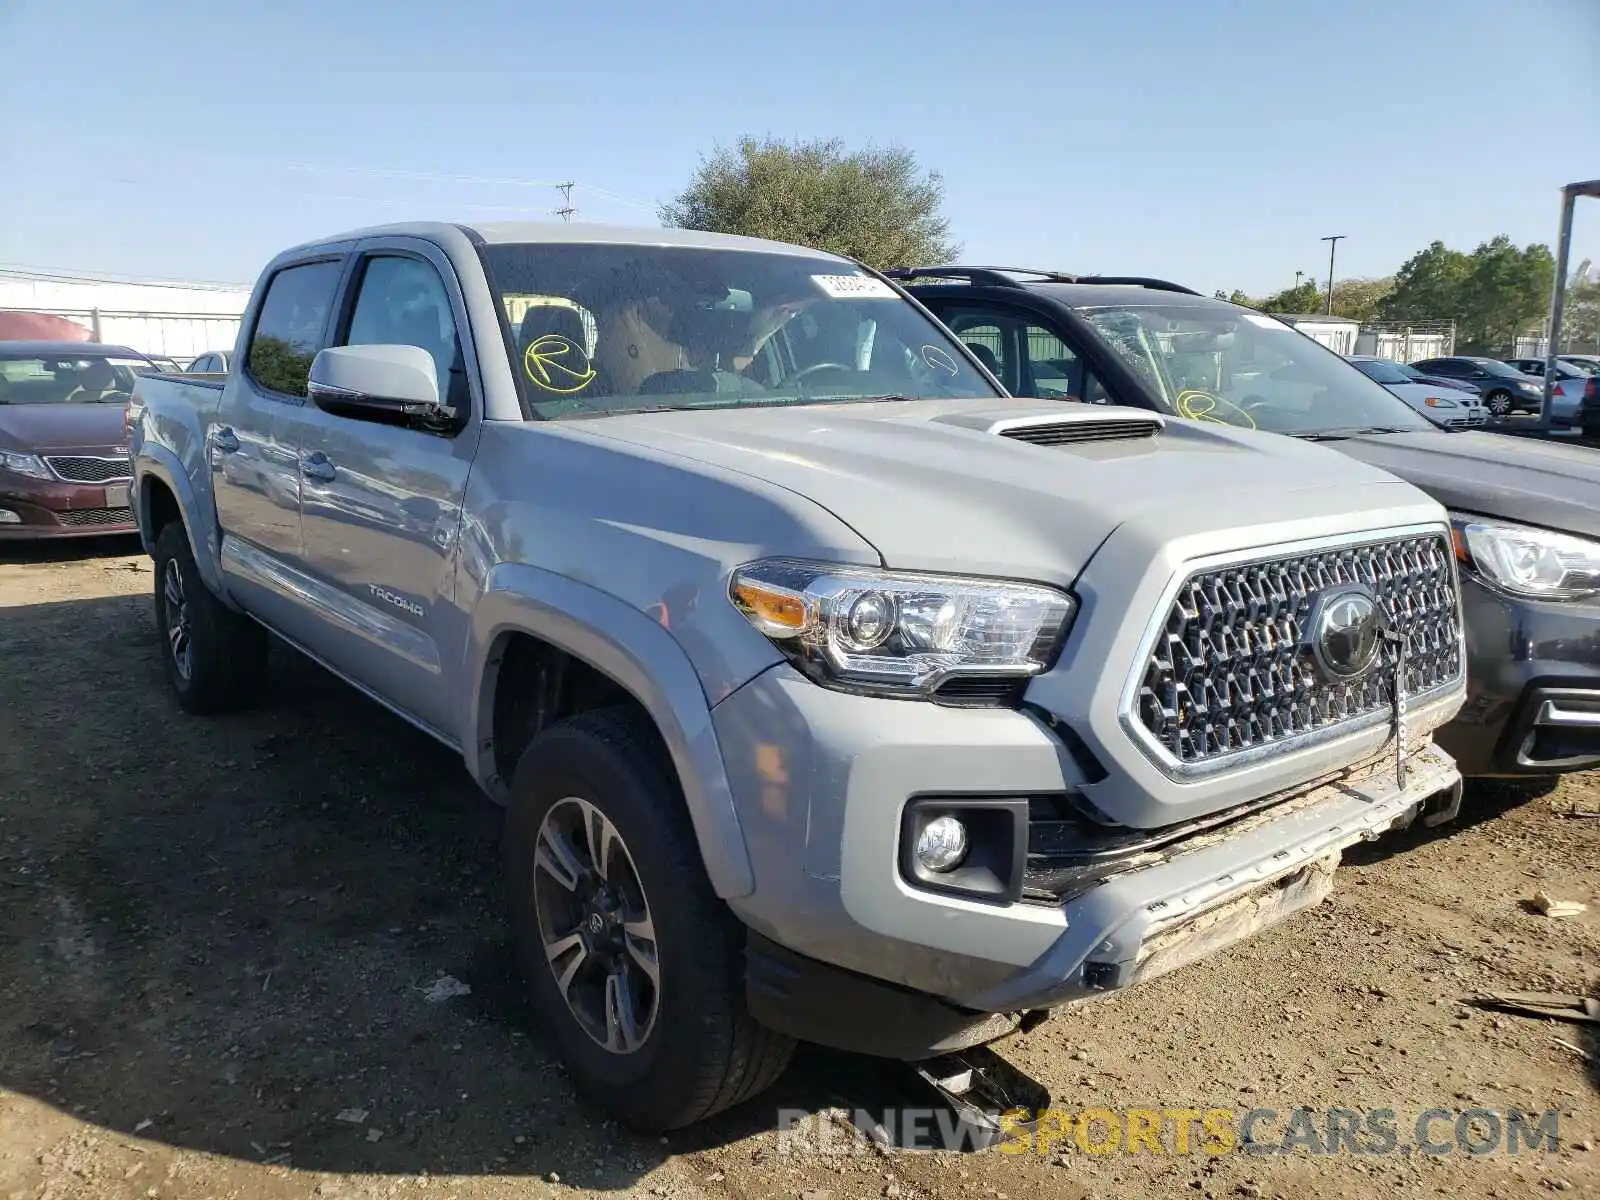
<point x="380" y="504"/>
<point x="254" y="462"/>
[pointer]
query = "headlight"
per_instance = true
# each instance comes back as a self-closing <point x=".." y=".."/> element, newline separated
<point x="894" y="633"/>
<point x="30" y="465"/>
<point x="1439" y="402"/>
<point x="1527" y="561"/>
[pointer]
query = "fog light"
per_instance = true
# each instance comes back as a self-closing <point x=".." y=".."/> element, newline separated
<point x="7" y="517"/>
<point x="942" y="844"/>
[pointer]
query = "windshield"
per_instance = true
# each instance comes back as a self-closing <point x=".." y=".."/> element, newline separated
<point x="67" y="379"/>
<point x="609" y="329"/>
<point x="1381" y="372"/>
<point x="1242" y="368"/>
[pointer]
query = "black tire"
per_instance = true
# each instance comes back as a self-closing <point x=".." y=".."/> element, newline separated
<point x="702" y="1052"/>
<point x="1498" y="403"/>
<point x="225" y="662"/>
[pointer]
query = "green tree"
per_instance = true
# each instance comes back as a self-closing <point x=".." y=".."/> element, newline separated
<point x="1307" y="298"/>
<point x="874" y="205"/>
<point x="1507" y="292"/>
<point x="1360" y="298"/>
<point x="1580" y="325"/>
<point x="1428" y="287"/>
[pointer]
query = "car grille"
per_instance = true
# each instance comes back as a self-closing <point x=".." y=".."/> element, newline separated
<point x="1229" y="671"/>
<point x="78" y="518"/>
<point x="86" y="469"/>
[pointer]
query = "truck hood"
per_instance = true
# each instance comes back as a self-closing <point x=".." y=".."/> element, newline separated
<point x="1495" y="475"/>
<point x="51" y="427"/>
<point x="930" y="487"/>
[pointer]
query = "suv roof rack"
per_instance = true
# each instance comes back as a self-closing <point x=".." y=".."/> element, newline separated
<point x="1002" y="277"/>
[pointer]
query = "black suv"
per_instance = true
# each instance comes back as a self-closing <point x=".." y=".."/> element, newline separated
<point x="1526" y="513"/>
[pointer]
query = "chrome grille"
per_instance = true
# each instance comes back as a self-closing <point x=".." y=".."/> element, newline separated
<point x="81" y="517"/>
<point x="90" y="469"/>
<point x="1229" y="671"/>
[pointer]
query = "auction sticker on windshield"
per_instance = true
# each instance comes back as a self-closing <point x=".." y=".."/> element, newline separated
<point x="854" y="287"/>
<point x="1264" y="322"/>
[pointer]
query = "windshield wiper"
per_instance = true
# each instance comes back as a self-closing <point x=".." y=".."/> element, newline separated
<point x="1349" y="431"/>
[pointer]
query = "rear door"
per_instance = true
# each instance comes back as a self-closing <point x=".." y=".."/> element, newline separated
<point x="380" y="504"/>
<point x="255" y="472"/>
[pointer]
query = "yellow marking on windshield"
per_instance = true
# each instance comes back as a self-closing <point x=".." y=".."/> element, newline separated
<point x="554" y="363"/>
<point x="1196" y="405"/>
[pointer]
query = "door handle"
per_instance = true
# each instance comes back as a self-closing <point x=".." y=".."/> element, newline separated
<point x="225" y="440"/>
<point x="316" y="466"/>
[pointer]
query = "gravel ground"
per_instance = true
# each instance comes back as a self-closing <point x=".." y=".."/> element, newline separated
<point x="217" y="939"/>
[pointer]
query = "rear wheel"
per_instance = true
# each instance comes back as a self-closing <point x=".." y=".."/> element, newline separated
<point x="635" y="966"/>
<point x="1498" y="403"/>
<point x="215" y="657"/>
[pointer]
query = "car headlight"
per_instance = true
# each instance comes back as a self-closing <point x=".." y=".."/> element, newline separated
<point x="1526" y="561"/>
<point x="898" y="633"/>
<point x="30" y="465"/>
<point x="1439" y="402"/>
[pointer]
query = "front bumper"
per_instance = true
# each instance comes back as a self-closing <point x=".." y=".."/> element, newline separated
<point x="35" y="509"/>
<point x="836" y="774"/>
<point x="1533" y="685"/>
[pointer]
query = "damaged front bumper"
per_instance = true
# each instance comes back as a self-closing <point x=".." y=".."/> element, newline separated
<point x="1223" y="885"/>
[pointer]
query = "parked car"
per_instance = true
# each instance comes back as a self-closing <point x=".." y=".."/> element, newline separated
<point x="212" y="362"/>
<point x="1589" y="415"/>
<point x="1587" y="363"/>
<point x="834" y="694"/>
<point x="64" y="469"/>
<point x="1442" y="406"/>
<point x="161" y="364"/>
<point x="1526" y="513"/>
<point x="1535" y="367"/>
<point x="1504" y="389"/>
<point x="1459" y="385"/>
<point x="1568" y="397"/>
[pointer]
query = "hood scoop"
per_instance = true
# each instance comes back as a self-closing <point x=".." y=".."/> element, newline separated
<point x="1065" y="427"/>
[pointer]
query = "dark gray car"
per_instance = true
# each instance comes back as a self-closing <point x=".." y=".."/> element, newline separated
<point x="1504" y="389"/>
<point x="1526" y="513"/>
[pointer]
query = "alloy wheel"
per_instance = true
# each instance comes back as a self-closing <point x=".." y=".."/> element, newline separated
<point x="177" y="618"/>
<point x="595" y="923"/>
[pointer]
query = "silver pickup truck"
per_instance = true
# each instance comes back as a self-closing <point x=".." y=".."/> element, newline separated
<point x="833" y="694"/>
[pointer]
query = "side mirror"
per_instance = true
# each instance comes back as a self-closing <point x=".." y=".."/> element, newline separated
<point x="377" y="381"/>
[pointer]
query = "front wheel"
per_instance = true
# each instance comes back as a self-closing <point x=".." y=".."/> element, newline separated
<point x="1498" y="403"/>
<point x="215" y="657"/>
<point x="635" y="966"/>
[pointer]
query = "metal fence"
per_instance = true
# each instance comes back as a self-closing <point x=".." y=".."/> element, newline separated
<point x="180" y="335"/>
<point x="1408" y="343"/>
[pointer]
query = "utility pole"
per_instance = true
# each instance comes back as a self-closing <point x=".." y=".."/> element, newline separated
<point x="1298" y="275"/>
<point x="1333" y="244"/>
<point x="566" y="212"/>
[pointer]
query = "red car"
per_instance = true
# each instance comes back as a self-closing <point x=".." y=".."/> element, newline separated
<point x="64" y="468"/>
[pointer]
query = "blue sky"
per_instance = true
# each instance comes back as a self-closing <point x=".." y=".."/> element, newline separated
<point x="1204" y="141"/>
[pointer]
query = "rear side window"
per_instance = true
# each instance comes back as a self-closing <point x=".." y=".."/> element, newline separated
<point x="292" y="326"/>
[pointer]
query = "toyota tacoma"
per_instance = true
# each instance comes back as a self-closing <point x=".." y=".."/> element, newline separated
<point x="833" y="694"/>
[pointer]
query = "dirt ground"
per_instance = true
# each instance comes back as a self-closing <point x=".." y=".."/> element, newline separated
<point x="217" y="936"/>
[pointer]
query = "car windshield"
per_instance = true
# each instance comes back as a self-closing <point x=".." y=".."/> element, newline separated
<point x="600" y="329"/>
<point x="1584" y="366"/>
<point x="1231" y="367"/>
<point x="1380" y="371"/>
<point x="67" y="379"/>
